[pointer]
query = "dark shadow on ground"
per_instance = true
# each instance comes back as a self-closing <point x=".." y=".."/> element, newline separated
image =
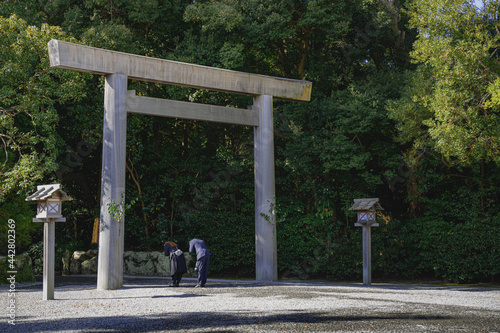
<point x="199" y="320"/>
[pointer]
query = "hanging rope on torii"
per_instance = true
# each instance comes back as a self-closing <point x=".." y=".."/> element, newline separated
<point x="118" y="67"/>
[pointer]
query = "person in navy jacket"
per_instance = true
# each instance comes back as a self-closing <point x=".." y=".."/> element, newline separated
<point x="198" y="247"/>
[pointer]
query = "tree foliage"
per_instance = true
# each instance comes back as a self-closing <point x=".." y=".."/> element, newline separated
<point x="450" y="103"/>
<point x="30" y="94"/>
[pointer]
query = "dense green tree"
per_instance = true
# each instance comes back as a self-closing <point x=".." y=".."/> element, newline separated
<point x="30" y="94"/>
<point x="450" y="103"/>
<point x="272" y="37"/>
<point x="449" y="120"/>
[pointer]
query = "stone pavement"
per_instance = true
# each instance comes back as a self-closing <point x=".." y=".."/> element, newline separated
<point x="148" y="305"/>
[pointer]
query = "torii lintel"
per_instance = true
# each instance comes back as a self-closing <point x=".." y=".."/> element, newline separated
<point x="105" y="62"/>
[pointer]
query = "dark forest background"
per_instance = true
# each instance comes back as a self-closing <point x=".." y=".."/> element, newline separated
<point x="405" y="107"/>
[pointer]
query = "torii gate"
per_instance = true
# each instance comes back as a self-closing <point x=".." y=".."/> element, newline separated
<point x="118" y="67"/>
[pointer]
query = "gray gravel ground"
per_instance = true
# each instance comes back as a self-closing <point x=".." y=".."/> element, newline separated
<point x="147" y="305"/>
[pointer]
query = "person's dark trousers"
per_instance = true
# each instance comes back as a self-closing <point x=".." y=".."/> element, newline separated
<point x="203" y="270"/>
<point x="176" y="278"/>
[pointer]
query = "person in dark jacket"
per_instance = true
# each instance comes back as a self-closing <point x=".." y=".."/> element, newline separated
<point x="177" y="262"/>
<point x="202" y="260"/>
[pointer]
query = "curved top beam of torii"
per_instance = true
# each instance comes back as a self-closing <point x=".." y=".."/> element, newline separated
<point x="100" y="61"/>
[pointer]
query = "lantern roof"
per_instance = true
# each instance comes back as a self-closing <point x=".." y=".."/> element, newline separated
<point x="366" y="204"/>
<point x="49" y="191"/>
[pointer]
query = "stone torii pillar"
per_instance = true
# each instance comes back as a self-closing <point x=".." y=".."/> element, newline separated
<point x="266" y="258"/>
<point x="118" y="67"/>
<point x="114" y="142"/>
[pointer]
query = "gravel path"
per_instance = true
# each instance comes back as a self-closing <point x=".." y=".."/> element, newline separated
<point x="147" y="305"/>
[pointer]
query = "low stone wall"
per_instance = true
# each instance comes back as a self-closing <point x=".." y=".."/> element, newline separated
<point x="134" y="263"/>
<point x="146" y="263"/>
<point x="22" y="265"/>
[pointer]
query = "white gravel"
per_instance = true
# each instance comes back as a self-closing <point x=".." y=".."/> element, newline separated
<point x="148" y="305"/>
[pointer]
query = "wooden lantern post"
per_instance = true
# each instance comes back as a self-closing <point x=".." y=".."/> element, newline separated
<point x="49" y="207"/>
<point x="367" y="218"/>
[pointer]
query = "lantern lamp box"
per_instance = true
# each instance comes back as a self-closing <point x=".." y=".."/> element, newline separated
<point x="49" y="202"/>
<point x="367" y="211"/>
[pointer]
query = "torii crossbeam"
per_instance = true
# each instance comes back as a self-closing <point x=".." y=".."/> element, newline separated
<point x="118" y="67"/>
